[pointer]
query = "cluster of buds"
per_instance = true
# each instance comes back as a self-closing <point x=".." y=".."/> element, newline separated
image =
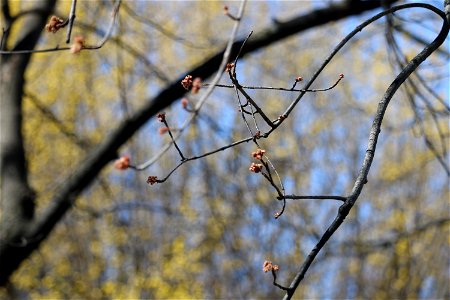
<point x="122" y="163"/>
<point x="341" y="75"/>
<point x="54" y="24"/>
<point x="298" y="79"/>
<point x="255" y="168"/>
<point x="190" y="84"/>
<point x="161" y="117"/>
<point x="268" y="266"/>
<point x="78" y="43"/>
<point x="152" y="180"/>
<point x="187" y="82"/>
<point x="229" y="67"/>
<point x="258" y="154"/>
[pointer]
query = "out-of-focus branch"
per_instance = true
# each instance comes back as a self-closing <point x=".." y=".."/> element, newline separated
<point x="447" y="10"/>
<point x="71" y="20"/>
<point x="123" y="206"/>
<point x="51" y="116"/>
<point x="419" y="40"/>
<point x="153" y="68"/>
<point x="330" y="197"/>
<point x="369" y="246"/>
<point x="400" y="60"/>
<point x="7" y="20"/>
<point x="158" y="27"/>
<point x="100" y="44"/>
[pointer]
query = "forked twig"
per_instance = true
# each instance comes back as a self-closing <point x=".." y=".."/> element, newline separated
<point x="71" y="20"/>
<point x="99" y="45"/>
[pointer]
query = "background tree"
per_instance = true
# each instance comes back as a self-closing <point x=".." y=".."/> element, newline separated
<point x="206" y="231"/>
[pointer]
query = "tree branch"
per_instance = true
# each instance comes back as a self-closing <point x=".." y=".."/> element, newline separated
<point x="10" y="255"/>
<point x="373" y="138"/>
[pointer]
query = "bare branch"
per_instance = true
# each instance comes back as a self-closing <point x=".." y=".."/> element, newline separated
<point x="373" y="136"/>
<point x="99" y="45"/>
<point x="71" y="20"/>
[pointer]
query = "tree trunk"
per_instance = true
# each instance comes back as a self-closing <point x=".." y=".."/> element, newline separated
<point x="17" y="197"/>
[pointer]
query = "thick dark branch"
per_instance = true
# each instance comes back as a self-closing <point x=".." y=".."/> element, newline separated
<point x="447" y="10"/>
<point x="372" y="246"/>
<point x="60" y="125"/>
<point x="420" y="40"/>
<point x="158" y="27"/>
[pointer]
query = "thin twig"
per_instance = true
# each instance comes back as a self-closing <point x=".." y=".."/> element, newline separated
<point x="71" y="20"/>
<point x="282" y="193"/>
<point x="232" y="17"/>
<point x="3" y="39"/>
<point x="240" y="51"/>
<point x="173" y="141"/>
<point x="205" y="96"/>
<point x="237" y="86"/>
<point x="246" y="140"/>
<point x="279" y="88"/>
<point x="249" y="99"/>
<point x="274" y="274"/>
<point x="232" y="74"/>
